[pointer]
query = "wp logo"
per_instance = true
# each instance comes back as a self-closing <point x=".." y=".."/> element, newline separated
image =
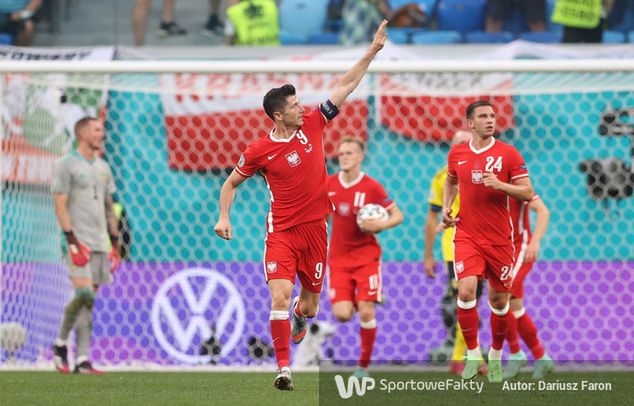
<point x="360" y="386"/>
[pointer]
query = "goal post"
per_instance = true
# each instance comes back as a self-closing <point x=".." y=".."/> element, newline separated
<point x="175" y="130"/>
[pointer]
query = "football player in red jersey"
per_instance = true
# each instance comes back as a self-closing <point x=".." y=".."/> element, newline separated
<point x="354" y="260"/>
<point x="290" y="158"/>
<point x="519" y="321"/>
<point x="488" y="173"/>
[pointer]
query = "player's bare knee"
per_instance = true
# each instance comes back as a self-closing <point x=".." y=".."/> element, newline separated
<point x="517" y="304"/>
<point x="499" y="302"/>
<point x="366" y="311"/>
<point x="343" y="315"/>
<point x="466" y="294"/>
<point x="280" y="300"/>
<point x="342" y="318"/>
<point x="366" y="315"/>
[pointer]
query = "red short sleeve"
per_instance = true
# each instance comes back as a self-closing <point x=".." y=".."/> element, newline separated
<point x="451" y="163"/>
<point x="248" y="164"/>
<point x="383" y="197"/>
<point x="517" y="166"/>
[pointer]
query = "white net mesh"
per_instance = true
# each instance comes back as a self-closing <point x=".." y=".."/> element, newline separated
<point x="184" y="296"/>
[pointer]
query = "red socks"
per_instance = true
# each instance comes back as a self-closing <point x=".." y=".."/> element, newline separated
<point x="281" y="335"/>
<point x="528" y="332"/>
<point x="368" y="334"/>
<point x="468" y="319"/>
<point x="511" y="333"/>
<point x="498" y="330"/>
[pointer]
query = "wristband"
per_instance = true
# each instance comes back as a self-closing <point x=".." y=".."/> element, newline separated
<point x="26" y="14"/>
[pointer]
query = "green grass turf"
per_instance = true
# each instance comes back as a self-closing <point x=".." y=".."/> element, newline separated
<point x="202" y="388"/>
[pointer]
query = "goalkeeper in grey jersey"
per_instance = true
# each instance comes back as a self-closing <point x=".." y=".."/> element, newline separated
<point x="82" y="187"/>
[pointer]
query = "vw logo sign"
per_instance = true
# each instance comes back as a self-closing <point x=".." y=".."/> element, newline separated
<point x="186" y="307"/>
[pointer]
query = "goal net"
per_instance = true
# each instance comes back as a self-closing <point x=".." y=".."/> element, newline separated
<point x="184" y="297"/>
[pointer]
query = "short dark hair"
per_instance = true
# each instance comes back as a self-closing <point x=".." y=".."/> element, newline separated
<point x="83" y="122"/>
<point x="479" y="103"/>
<point x="275" y="99"/>
<point x="353" y="140"/>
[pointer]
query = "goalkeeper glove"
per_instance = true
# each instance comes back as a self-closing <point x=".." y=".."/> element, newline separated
<point x="114" y="257"/>
<point x="79" y="252"/>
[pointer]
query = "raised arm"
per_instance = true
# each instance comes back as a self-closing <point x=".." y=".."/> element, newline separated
<point x="353" y="77"/>
<point x="227" y="194"/>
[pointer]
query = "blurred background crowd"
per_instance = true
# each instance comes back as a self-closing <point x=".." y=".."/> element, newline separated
<point x="299" y="22"/>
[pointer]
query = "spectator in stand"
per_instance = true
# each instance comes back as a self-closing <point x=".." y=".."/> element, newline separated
<point x="361" y="18"/>
<point x="252" y="23"/>
<point x="16" y="19"/>
<point x="498" y="10"/>
<point x="583" y="21"/>
<point x="214" y="25"/>
<point x="167" y="27"/>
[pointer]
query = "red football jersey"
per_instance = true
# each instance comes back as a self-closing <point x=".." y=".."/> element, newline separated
<point x="349" y="246"/>
<point x="484" y="213"/>
<point x="295" y="173"/>
<point x="521" y="220"/>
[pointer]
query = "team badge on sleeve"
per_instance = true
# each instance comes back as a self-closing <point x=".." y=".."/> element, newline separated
<point x="241" y="161"/>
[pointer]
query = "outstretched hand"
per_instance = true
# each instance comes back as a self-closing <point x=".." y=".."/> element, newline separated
<point x="380" y="36"/>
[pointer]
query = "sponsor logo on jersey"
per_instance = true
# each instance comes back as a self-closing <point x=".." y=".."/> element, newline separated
<point x="293" y="158"/>
<point x="476" y="176"/>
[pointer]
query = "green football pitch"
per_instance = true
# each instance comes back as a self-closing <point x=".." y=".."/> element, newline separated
<point x="255" y="388"/>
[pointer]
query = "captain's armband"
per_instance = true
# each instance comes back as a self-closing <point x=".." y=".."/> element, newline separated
<point x="329" y="110"/>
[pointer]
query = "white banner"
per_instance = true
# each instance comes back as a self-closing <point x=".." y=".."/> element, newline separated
<point x="40" y="111"/>
<point x="44" y="54"/>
